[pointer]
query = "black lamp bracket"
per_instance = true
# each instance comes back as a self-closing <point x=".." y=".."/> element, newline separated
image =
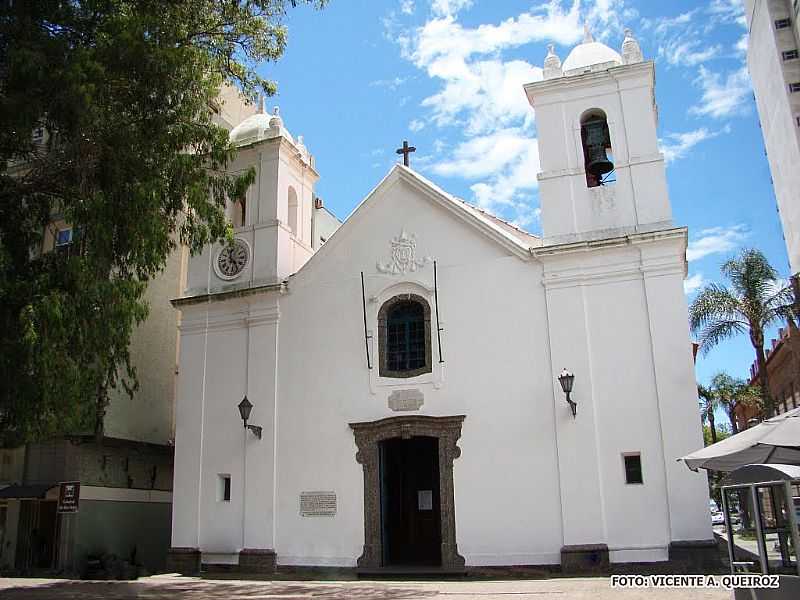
<point x="255" y="429"/>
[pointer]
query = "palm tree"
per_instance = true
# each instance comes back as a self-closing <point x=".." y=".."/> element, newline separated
<point x="755" y="300"/>
<point x="732" y="392"/>
<point x="708" y="404"/>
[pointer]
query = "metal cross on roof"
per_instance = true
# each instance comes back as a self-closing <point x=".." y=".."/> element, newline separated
<point x="405" y="151"/>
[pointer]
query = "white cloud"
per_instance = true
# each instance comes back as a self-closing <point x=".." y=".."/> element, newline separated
<point x="741" y="45"/>
<point x="407" y="7"/>
<point x="446" y="8"/>
<point x="416" y="125"/>
<point x="484" y="156"/>
<point x="722" y="97"/>
<point x="662" y="25"/>
<point x="693" y="283"/>
<point x="482" y="95"/>
<point x="716" y="240"/>
<point x="445" y="39"/>
<point x="727" y="11"/>
<point x="391" y="84"/>
<point x="480" y="98"/>
<point x="512" y="186"/>
<point x="677" y="145"/>
<point x="679" y="51"/>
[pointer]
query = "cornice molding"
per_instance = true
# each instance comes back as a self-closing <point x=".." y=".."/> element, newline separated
<point x="591" y="79"/>
<point x="279" y="288"/>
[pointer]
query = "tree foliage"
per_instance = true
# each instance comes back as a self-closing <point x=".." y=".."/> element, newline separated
<point x="125" y="91"/>
<point x="726" y="393"/>
<point x="755" y="299"/>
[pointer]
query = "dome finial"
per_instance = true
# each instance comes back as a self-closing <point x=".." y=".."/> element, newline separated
<point x="276" y="120"/>
<point x="631" y="52"/>
<point x="587" y="33"/>
<point x="552" y="63"/>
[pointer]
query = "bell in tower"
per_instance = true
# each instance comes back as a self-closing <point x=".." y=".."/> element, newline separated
<point x="595" y="136"/>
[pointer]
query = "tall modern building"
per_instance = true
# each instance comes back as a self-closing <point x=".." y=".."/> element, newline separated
<point x="773" y="58"/>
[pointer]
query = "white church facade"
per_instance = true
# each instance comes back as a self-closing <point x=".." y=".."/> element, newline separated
<point x="403" y="376"/>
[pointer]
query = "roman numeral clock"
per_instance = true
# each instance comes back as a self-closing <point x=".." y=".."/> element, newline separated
<point x="232" y="259"/>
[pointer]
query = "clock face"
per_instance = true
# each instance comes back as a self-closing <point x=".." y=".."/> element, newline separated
<point x="232" y="259"/>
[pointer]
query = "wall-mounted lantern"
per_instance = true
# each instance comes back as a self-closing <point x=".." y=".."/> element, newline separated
<point x="566" y="380"/>
<point x="245" y="406"/>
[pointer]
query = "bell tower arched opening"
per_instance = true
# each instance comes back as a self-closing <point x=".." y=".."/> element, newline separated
<point x="598" y="155"/>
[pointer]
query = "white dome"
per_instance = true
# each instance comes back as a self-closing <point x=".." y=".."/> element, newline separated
<point x="251" y="129"/>
<point x="590" y="56"/>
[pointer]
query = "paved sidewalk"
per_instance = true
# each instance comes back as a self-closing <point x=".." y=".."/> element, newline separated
<point x="186" y="588"/>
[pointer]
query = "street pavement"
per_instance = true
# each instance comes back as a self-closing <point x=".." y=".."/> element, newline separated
<point x="169" y="587"/>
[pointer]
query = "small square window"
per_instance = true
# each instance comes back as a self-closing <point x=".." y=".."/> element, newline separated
<point x="794" y="87"/>
<point x="633" y="468"/>
<point x="224" y="492"/>
<point x="797" y="120"/>
<point x="782" y="23"/>
<point x="789" y="54"/>
<point x="38" y="134"/>
<point x="64" y="237"/>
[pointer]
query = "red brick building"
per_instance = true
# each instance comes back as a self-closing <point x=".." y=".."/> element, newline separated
<point x="783" y="368"/>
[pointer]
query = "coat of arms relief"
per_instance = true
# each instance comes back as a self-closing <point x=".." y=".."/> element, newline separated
<point x="404" y="256"/>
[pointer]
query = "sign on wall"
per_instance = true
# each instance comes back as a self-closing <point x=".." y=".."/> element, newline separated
<point x="317" y="504"/>
<point x="69" y="495"/>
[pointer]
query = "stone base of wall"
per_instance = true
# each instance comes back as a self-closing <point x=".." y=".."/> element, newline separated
<point x="584" y="558"/>
<point x="697" y="556"/>
<point x="257" y="560"/>
<point x="185" y="561"/>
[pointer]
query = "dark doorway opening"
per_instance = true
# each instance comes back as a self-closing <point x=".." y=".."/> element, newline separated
<point x="410" y="503"/>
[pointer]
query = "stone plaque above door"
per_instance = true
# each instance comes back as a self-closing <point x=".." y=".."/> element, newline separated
<point x="402" y="400"/>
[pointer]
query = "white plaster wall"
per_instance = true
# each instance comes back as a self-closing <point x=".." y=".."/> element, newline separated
<point x="530" y="478"/>
<point x="638" y="198"/>
<point x="276" y="253"/>
<point x="618" y="320"/>
<point x="486" y="295"/>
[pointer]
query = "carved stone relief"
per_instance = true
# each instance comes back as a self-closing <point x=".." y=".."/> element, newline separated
<point x="404" y="256"/>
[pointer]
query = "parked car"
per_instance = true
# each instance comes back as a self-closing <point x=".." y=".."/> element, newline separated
<point x="717" y="518"/>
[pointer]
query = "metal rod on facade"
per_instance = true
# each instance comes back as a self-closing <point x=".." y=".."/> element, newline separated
<point x="436" y="303"/>
<point x="366" y="333"/>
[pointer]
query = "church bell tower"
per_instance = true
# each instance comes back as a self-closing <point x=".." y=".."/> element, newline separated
<point x="602" y="172"/>
<point x="273" y="223"/>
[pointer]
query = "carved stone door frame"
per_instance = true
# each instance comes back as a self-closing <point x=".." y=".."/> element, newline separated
<point x="368" y="436"/>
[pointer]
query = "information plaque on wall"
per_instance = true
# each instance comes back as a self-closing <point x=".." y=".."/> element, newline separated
<point x="69" y="495"/>
<point x="317" y="504"/>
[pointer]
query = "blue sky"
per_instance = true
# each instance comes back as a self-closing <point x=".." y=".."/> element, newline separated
<point x="362" y="75"/>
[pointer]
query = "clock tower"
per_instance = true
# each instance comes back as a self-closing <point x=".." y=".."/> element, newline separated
<point x="274" y="222"/>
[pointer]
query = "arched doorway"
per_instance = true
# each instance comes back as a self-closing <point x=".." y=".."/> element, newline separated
<point x="408" y="490"/>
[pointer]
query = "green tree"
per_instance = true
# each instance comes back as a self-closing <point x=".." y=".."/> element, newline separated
<point x="708" y="404"/>
<point x="755" y="300"/>
<point x="125" y="91"/>
<point x="732" y="392"/>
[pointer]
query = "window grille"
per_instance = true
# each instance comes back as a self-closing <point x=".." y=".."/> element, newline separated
<point x="63" y="237"/>
<point x="782" y="23"/>
<point x="789" y="54"/>
<point x="794" y="87"/>
<point x="405" y="337"/>
<point x="633" y="468"/>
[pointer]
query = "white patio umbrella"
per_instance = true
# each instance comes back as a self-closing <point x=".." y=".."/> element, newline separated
<point x="776" y="440"/>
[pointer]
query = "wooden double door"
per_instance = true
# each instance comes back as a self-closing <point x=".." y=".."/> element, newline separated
<point x="411" y="528"/>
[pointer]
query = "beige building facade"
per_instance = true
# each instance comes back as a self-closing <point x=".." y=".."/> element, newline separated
<point x="773" y="59"/>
